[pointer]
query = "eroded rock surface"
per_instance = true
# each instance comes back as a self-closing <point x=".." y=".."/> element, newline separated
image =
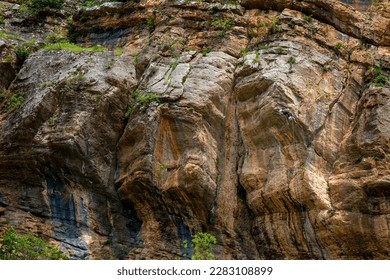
<point x="265" y="123"/>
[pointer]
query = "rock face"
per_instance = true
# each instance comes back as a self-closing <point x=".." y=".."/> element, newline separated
<point x="264" y="123"/>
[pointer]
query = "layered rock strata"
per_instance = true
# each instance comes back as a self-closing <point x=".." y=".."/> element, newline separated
<point x="265" y="124"/>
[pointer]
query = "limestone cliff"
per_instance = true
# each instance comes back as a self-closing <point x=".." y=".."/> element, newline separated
<point x="265" y="123"/>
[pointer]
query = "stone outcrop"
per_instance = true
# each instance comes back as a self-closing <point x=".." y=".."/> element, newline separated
<point x="264" y="123"/>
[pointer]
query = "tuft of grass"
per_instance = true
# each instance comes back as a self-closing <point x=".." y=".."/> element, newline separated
<point x="150" y="24"/>
<point x="22" y="52"/>
<point x="256" y="59"/>
<point x="15" y="102"/>
<point x="224" y="24"/>
<point x="275" y="27"/>
<point x="338" y="45"/>
<point x="118" y="52"/>
<point x="54" y="38"/>
<point x="278" y="50"/>
<point x="145" y="99"/>
<point x="68" y="46"/>
<point x="291" y="60"/>
<point x="4" y="34"/>
<point x="308" y="18"/>
<point x="379" y="77"/>
<point x="206" y="51"/>
<point x="142" y="99"/>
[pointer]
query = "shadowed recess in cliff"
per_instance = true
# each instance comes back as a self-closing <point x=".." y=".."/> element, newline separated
<point x="133" y="225"/>
<point x="184" y="235"/>
<point x="2" y="201"/>
<point x="64" y="214"/>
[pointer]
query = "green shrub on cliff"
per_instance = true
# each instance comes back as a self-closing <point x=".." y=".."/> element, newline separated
<point x="15" y="102"/>
<point x="27" y="247"/>
<point x="379" y="77"/>
<point x="203" y="246"/>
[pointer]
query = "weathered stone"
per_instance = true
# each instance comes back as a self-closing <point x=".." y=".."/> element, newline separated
<point x="268" y="129"/>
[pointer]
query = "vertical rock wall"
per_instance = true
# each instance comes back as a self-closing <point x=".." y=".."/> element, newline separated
<point x="267" y="129"/>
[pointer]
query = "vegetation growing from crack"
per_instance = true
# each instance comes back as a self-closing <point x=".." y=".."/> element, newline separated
<point x="275" y="27"/>
<point x="68" y="46"/>
<point x="379" y="77"/>
<point x="27" y="247"/>
<point x="222" y="24"/>
<point x="118" y="51"/>
<point x="5" y="34"/>
<point x="291" y="60"/>
<point x="15" y="102"/>
<point x="150" y="24"/>
<point x="141" y="99"/>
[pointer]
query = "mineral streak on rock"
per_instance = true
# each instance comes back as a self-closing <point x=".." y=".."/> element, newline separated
<point x="264" y="123"/>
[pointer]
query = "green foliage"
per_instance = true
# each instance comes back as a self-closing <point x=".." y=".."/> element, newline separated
<point x="141" y="98"/>
<point x="380" y="80"/>
<point x="54" y="38"/>
<point x="206" y="51"/>
<point x="203" y="246"/>
<point x="150" y="23"/>
<point x="275" y="27"/>
<point x="118" y="52"/>
<point x="27" y="247"/>
<point x="256" y="60"/>
<point x="145" y="99"/>
<point x="224" y="24"/>
<point x="308" y="18"/>
<point x="313" y="29"/>
<point x="325" y="68"/>
<point x="22" y="52"/>
<point x="2" y="96"/>
<point x="129" y="110"/>
<point x="379" y="77"/>
<point x="291" y="24"/>
<point x="74" y="81"/>
<point x="174" y="64"/>
<point x="68" y="46"/>
<point x="5" y="34"/>
<point x="23" y="9"/>
<point x="338" y="45"/>
<point x="278" y="50"/>
<point x="15" y="102"/>
<point x="291" y="60"/>
<point x="41" y="4"/>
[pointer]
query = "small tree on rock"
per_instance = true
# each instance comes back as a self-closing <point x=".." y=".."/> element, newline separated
<point x="27" y="247"/>
<point x="203" y="245"/>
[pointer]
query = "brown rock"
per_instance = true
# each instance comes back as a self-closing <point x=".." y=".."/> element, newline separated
<point x="267" y="129"/>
